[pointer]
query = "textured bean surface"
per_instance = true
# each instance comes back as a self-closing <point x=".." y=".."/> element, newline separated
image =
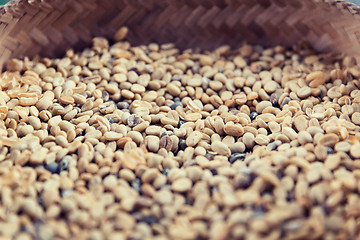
<point x="151" y="142"/>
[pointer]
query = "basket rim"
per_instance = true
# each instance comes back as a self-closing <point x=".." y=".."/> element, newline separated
<point x="341" y="5"/>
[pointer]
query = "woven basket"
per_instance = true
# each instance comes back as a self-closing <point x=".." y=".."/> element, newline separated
<point x="48" y="27"/>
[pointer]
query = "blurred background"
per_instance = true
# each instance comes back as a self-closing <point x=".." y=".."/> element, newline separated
<point x="352" y="1"/>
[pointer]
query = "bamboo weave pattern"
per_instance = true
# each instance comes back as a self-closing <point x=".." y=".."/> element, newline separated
<point x="49" y="27"/>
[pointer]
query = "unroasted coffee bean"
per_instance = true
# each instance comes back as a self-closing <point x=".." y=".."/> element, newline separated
<point x="166" y="142"/>
<point x="149" y="220"/>
<point x="182" y="144"/>
<point x="53" y="167"/>
<point x="175" y="105"/>
<point x="136" y="184"/>
<point x="273" y="145"/>
<point x="63" y="165"/>
<point x="274" y="99"/>
<point x="253" y="115"/>
<point x="285" y="101"/>
<point x="122" y="105"/>
<point x="237" y="157"/>
<point x="105" y="95"/>
<point x="133" y="120"/>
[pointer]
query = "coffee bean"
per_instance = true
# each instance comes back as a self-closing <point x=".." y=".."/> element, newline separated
<point x="149" y="220"/>
<point x="237" y="157"/>
<point x="53" y="167"/>
<point x="253" y="115"/>
<point x="175" y="105"/>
